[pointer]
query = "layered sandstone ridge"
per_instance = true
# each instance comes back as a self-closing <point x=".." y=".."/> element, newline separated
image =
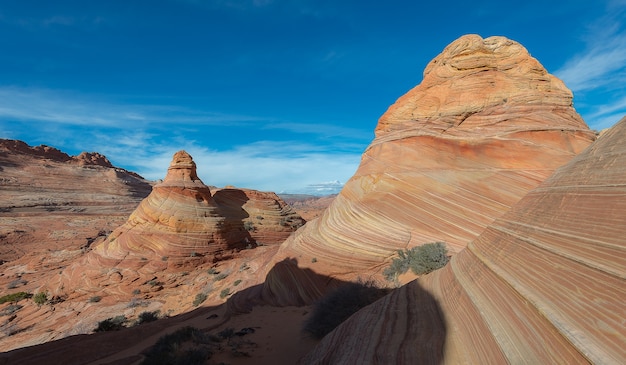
<point x="64" y="201"/>
<point x="543" y="284"/>
<point x="487" y="124"/>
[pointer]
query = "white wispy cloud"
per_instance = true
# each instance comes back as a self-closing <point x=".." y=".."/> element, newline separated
<point x="143" y="138"/>
<point x="598" y="74"/>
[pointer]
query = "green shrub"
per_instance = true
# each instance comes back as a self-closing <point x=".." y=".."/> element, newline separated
<point x="248" y="225"/>
<point x="200" y="297"/>
<point x="40" y="298"/>
<point x="237" y="282"/>
<point x="339" y="305"/>
<point x="146" y="317"/>
<point x="15" y="297"/>
<point x="111" y="324"/>
<point x="224" y="293"/>
<point x="220" y="276"/>
<point x="95" y="299"/>
<point x="170" y="349"/>
<point x="421" y="260"/>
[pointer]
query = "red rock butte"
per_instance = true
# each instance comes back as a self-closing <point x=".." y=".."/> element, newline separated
<point x="486" y="125"/>
<point x="181" y="225"/>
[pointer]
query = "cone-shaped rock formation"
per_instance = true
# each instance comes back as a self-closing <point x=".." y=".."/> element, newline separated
<point x="487" y="124"/>
<point x="181" y="224"/>
<point x="178" y="220"/>
<point x="543" y="284"/>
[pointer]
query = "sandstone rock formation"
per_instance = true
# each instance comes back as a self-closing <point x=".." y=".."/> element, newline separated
<point x="47" y="196"/>
<point x="181" y="225"/>
<point x="543" y="284"/>
<point x="487" y="124"/>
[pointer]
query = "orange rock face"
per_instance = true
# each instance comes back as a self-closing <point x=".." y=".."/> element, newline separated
<point x="487" y="124"/>
<point x="543" y="284"/>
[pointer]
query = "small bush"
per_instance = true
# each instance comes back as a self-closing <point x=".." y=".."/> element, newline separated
<point x="221" y="276"/>
<point x="212" y="271"/>
<point x="421" y="260"/>
<point x="237" y="282"/>
<point x="40" y="298"/>
<point x="15" y="297"/>
<point x="146" y="317"/>
<point x="339" y="305"/>
<point x="200" y="297"/>
<point x="111" y="324"/>
<point x="137" y="291"/>
<point x="169" y="349"/>
<point x="95" y="299"/>
<point x="224" y="293"/>
<point x="248" y="225"/>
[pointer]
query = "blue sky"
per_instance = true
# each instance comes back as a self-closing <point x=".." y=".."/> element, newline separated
<point x="267" y="94"/>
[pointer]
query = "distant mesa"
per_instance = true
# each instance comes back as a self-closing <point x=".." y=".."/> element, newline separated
<point x="486" y="125"/>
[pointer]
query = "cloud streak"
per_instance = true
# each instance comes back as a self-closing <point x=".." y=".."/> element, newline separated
<point x="597" y="75"/>
<point x="143" y="138"/>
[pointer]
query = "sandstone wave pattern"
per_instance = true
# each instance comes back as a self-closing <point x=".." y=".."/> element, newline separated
<point x="486" y="125"/>
<point x="543" y="284"/>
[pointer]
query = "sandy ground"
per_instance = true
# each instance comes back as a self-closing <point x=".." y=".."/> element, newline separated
<point x="277" y="337"/>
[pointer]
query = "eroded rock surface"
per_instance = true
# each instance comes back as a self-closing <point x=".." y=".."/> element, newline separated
<point x="542" y="284"/>
<point x="487" y="124"/>
<point x="51" y="199"/>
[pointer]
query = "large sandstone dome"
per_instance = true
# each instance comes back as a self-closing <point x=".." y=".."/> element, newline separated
<point x="487" y="124"/>
<point x="543" y="284"/>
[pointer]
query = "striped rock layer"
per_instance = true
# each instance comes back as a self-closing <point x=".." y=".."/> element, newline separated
<point x="182" y="224"/>
<point x="487" y="124"/>
<point x="544" y="284"/>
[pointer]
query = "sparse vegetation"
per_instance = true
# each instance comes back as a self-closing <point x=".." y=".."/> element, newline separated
<point x="212" y="271"/>
<point x="200" y="297"/>
<point x="248" y="226"/>
<point x="314" y="260"/>
<point x="221" y="276"/>
<point x="421" y="260"/>
<point x="170" y="348"/>
<point x="224" y="293"/>
<point x="146" y="317"/>
<point x="111" y="324"/>
<point x="95" y="299"/>
<point x="237" y="282"/>
<point x="40" y="298"/>
<point x="15" y="297"/>
<point x="243" y="267"/>
<point x="339" y="305"/>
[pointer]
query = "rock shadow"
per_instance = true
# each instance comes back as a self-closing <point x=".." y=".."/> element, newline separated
<point x="230" y="204"/>
<point x="413" y="331"/>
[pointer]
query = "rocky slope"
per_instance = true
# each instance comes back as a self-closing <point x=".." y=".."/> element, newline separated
<point x="183" y="240"/>
<point x="51" y="199"/>
<point x="487" y="124"/>
<point x="543" y="284"/>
